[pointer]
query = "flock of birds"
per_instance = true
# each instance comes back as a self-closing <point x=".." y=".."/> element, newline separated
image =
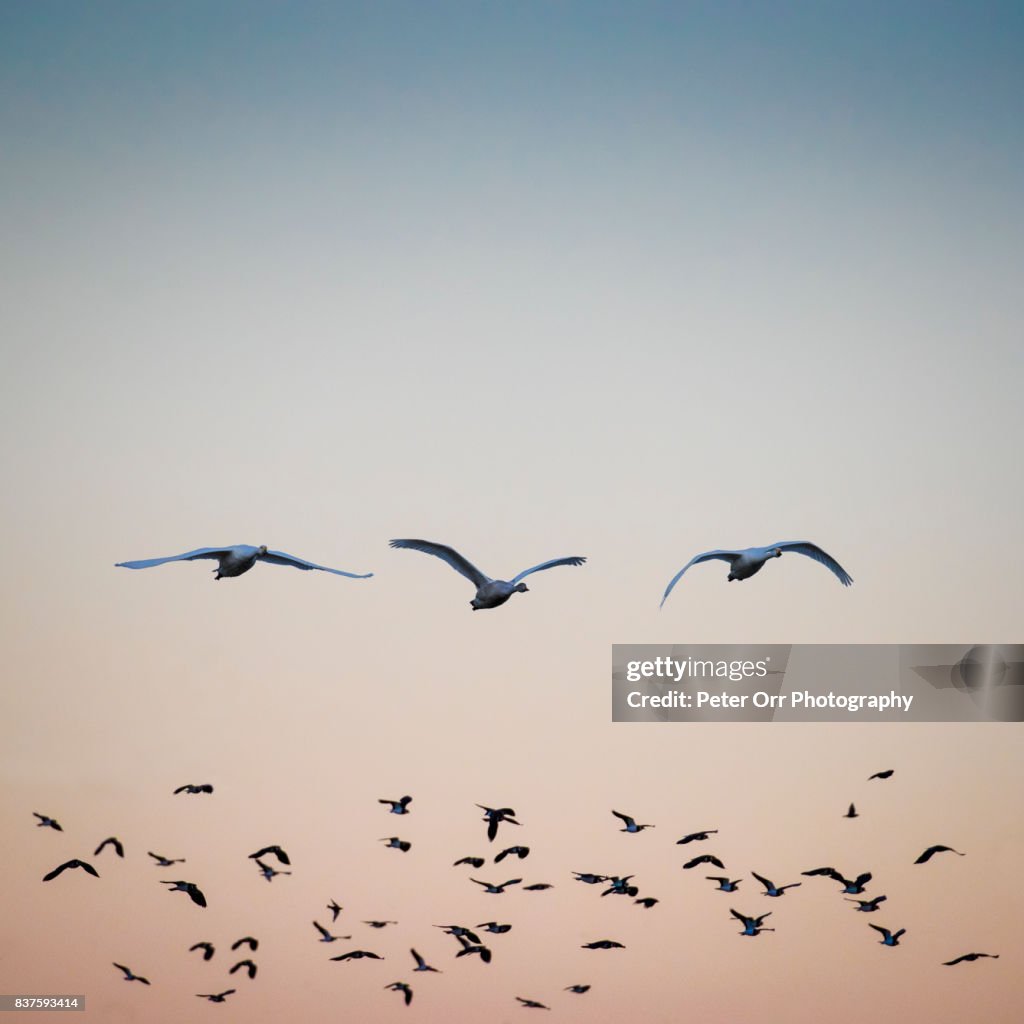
<point x="468" y="937"/>
<point x="490" y="593"/>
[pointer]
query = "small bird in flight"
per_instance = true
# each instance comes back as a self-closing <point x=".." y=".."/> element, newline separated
<point x="394" y="843"/>
<point x="867" y="906"/>
<point x="206" y="947"/>
<point x="275" y="850"/>
<point x="421" y="964"/>
<point x="47" y="822"/>
<point x="268" y="872"/>
<point x="888" y="938"/>
<point x="473" y="948"/>
<point x="219" y="997"/>
<point x="854" y="888"/>
<point x="537" y="887"/>
<point x="620" y="886"/>
<point x="494" y="816"/>
<point x="240" y="558"/>
<point x="882" y="775"/>
<point x="398" y="806"/>
<point x="357" y="954"/>
<point x="647" y="902"/>
<point x="578" y="989"/>
<point x="603" y="944"/>
<point x="512" y="851"/>
<point x="493" y="888"/>
<point x="770" y="889"/>
<point x="193" y="890"/>
<point x="932" y="850"/>
<point x="401" y="986"/>
<point x="458" y="931"/>
<point x="494" y="928"/>
<point x="129" y="976"/>
<point x="851" y="812"/>
<point x="751" y="925"/>
<point x="489" y="593"/>
<point x="190" y="788"/>
<point x="248" y="965"/>
<point x="473" y="862"/>
<point x="630" y="823"/>
<point x="748" y="561"/>
<point x="73" y="863"/>
<point x="379" y="924"/>
<point x="326" y="936"/>
<point x="165" y="862"/>
<point x="590" y="879"/>
<point x="112" y="841"/>
<point x="696" y="837"/>
<point x="334" y="909"/>
<point x="704" y="858"/>
<point x="724" y="884"/>
<point x="969" y="958"/>
<point x="247" y="940"/>
<point x="532" y="1004"/>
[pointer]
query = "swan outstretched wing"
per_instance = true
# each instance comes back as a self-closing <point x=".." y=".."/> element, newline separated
<point x="571" y="560"/>
<point x="188" y="556"/>
<point x="281" y="558"/>
<point x="725" y="556"/>
<point x="450" y="555"/>
<point x="804" y="547"/>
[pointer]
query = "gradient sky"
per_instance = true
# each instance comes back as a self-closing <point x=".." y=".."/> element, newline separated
<point x="629" y="281"/>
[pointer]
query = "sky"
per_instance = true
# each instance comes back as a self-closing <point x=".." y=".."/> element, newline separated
<point x="627" y="281"/>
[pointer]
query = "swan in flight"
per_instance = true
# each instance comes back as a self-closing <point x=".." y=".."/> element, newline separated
<point x="489" y="593"/>
<point x="749" y="561"/>
<point x="240" y="558"/>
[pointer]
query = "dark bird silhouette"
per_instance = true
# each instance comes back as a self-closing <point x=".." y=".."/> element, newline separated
<point x="189" y="788"/>
<point x="590" y="879"/>
<point x="853" y="888"/>
<point x="47" y="822"/>
<point x="129" y="976"/>
<point x="334" y="909"/>
<point x="275" y="850"/>
<point x="751" y="925"/>
<point x="239" y="558"/>
<point x="473" y="862"/>
<point x="724" y="884"/>
<point x="603" y="944"/>
<point x="647" y="902"/>
<point x="537" y="887"/>
<point x="421" y="964"/>
<point x="489" y="593"/>
<point x="247" y="940"/>
<point x="193" y="890"/>
<point x="851" y="812"/>
<point x="620" y="886"/>
<point x="578" y="989"/>
<point x="770" y="888"/>
<point x="458" y="931"/>
<point x="401" y="986"/>
<point x="268" y="872"/>
<point x="112" y="841"/>
<point x="494" y="888"/>
<point x="882" y="775"/>
<point x="494" y="928"/>
<point x="532" y="1004"/>
<point x="630" y="823"/>
<point x="165" y="862"/>
<point x="512" y="851"/>
<point x="932" y="850"/>
<point x="248" y="965"/>
<point x="326" y="936"/>
<point x="219" y="997"/>
<point x="379" y="924"/>
<point x="696" y="837"/>
<point x="73" y="863"/>
<point x="969" y="958"/>
<point x="357" y="954"/>
<point x="494" y="816"/>
<point x="888" y="938"/>
<point x="704" y="858"/>
<point x="472" y="948"/>
<point x="400" y="806"/>
<point x="394" y="843"/>
<point x="206" y="947"/>
<point x="867" y="906"/>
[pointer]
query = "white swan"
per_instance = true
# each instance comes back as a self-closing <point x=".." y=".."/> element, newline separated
<point x="240" y="558"/>
<point x="489" y="593"/>
<point x="748" y="561"/>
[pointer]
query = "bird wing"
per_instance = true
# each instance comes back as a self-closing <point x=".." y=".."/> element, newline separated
<point x="419" y="960"/>
<point x="447" y="554"/>
<point x="880" y="929"/>
<point x="197" y="896"/>
<point x="725" y="556"/>
<point x="764" y="881"/>
<point x="281" y="558"/>
<point x="625" y="817"/>
<point x="188" y="556"/>
<point x="804" y="547"/>
<point x="738" y="915"/>
<point x="570" y="560"/>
